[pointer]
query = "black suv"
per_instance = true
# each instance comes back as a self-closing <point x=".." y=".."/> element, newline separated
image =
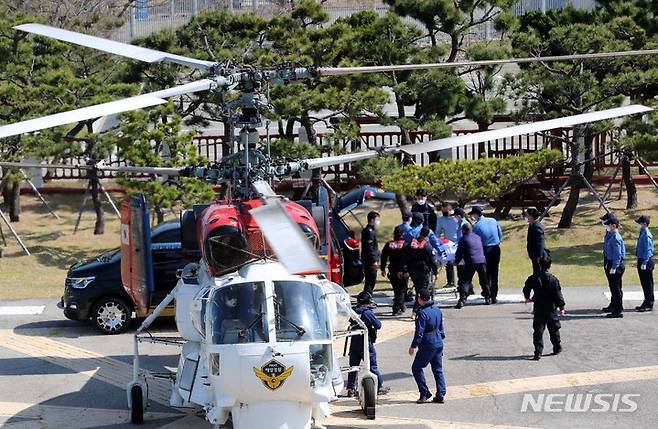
<point x="93" y="289"/>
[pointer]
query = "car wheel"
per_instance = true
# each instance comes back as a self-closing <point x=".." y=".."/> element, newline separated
<point x="111" y="315"/>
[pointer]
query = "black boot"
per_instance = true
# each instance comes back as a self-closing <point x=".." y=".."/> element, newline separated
<point x="536" y="356"/>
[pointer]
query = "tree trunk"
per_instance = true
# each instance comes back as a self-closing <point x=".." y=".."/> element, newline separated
<point x="401" y="200"/>
<point x="159" y="214"/>
<point x="15" y="201"/>
<point x="454" y="48"/>
<point x="311" y="135"/>
<point x="589" y="166"/>
<point x="631" y="191"/>
<point x="99" y="226"/>
<point x="290" y="129"/>
<point x="574" y="189"/>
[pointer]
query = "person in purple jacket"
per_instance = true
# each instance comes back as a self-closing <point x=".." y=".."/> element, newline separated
<point x="470" y="253"/>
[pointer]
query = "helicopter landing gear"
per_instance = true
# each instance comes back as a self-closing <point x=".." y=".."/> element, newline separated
<point x="368" y="397"/>
<point x="137" y="397"/>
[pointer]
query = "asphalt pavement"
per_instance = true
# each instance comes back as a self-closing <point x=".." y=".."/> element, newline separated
<point x="59" y="373"/>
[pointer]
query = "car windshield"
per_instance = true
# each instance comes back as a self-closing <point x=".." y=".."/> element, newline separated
<point x="238" y="314"/>
<point x="300" y="312"/>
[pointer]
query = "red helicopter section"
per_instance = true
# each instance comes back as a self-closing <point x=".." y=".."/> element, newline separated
<point x="229" y="236"/>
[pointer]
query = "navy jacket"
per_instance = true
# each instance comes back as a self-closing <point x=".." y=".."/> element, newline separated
<point x="418" y="256"/>
<point x="470" y="250"/>
<point x="372" y="323"/>
<point x="428" y="212"/>
<point x="429" y="327"/>
<point x="546" y="292"/>
<point x="392" y="255"/>
<point x="535" y="241"/>
<point x="369" y="246"/>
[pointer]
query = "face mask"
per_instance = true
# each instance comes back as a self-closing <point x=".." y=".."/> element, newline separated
<point x="638" y="226"/>
<point x="421" y="201"/>
<point x="608" y="228"/>
<point x="377" y="222"/>
<point x="526" y="219"/>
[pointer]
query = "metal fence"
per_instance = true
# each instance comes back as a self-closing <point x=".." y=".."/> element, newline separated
<point x="149" y="16"/>
<point x="214" y="147"/>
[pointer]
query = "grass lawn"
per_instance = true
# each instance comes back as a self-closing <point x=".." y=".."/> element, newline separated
<point x="54" y="247"/>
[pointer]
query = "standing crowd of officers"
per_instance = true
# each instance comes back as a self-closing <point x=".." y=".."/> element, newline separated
<point x="413" y="254"/>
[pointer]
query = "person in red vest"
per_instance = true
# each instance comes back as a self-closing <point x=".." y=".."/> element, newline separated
<point x="392" y="257"/>
<point x="419" y="262"/>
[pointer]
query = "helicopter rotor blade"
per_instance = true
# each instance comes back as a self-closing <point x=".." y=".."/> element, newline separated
<point x="160" y="171"/>
<point x="99" y="110"/>
<point x="339" y="71"/>
<point x="112" y="47"/>
<point x="517" y="130"/>
<point x="286" y="239"/>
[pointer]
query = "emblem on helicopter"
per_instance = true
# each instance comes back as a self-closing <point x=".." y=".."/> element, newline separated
<point x="273" y="374"/>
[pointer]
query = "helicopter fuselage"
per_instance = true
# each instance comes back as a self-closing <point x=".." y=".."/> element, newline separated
<point x="259" y="345"/>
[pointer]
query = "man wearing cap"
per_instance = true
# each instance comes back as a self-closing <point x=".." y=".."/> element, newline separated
<point x="471" y="254"/>
<point x="373" y="324"/>
<point x="645" y="264"/>
<point x="446" y="227"/>
<point x="489" y="231"/>
<point x="536" y="245"/>
<point x="370" y="252"/>
<point x="427" y="345"/>
<point x="614" y="253"/>
<point x="425" y="208"/>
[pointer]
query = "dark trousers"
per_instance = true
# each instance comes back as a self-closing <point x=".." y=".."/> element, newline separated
<point x="535" y="267"/>
<point x="492" y="255"/>
<point x="434" y="357"/>
<point x="467" y="280"/>
<point x="370" y="273"/>
<point x="421" y="280"/>
<point x="399" y="291"/>
<point x="355" y="359"/>
<point x="450" y="273"/>
<point x="615" y="285"/>
<point x="646" y="280"/>
<point x="540" y="322"/>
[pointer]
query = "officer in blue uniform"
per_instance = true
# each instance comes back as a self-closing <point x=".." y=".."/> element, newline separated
<point x="614" y="253"/>
<point x="406" y="222"/>
<point x="364" y="301"/>
<point x="489" y="231"/>
<point x="427" y="345"/>
<point x="645" y="264"/>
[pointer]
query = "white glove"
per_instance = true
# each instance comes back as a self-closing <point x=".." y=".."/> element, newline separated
<point x="613" y="270"/>
<point x="643" y="267"/>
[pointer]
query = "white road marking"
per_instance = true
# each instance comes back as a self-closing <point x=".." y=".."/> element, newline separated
<point x="633" y="295"/>
<point x="21" y="310"/>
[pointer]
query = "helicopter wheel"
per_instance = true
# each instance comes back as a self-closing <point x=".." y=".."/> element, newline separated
<point x="369" y="398"/>
<point x="136" y="405"/>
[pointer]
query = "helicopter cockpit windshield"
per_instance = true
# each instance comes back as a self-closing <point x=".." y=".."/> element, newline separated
<point x="238" y="314"/>
<point x="300" y="312"/>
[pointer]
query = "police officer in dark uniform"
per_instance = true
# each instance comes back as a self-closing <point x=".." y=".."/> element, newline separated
<point x="536" y="244"/>
<point x="419" y="262"/>
<point x="370" y="252"/>
<point x="427" y="345"/>
<point x="392" y="254"/>
<point x="364" y="301"/>
<point x="425" y="208"/>
<point x="547" y="298"/>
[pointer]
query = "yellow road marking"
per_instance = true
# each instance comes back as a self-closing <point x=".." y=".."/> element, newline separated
<point x="111" y="371"/>
<point x="529" y="384"/>
<point x="384" y="421"/>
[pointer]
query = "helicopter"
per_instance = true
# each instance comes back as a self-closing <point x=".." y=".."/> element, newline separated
<point x="258" y="316"/>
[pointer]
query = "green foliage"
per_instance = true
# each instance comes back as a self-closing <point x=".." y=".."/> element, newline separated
<point x="154" y="138"/>
<point x="374" y="169"/>
<point x="467" y="180"/>
<point x="284" y="148"/>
